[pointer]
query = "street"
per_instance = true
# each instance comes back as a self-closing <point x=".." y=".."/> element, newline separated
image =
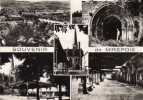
<point x="109" y="90"/>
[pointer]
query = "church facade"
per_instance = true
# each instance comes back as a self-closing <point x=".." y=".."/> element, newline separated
<point x="68" y="61"/>
<point x="75" y="55"/>
<point x="120" y="20"/>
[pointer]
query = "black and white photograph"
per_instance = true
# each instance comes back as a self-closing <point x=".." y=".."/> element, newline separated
<point x="28" y="76"/>
<point x="113" y="76"/>
<point x="31" y="22"/>
<point x="71" y="49"/>
<point x="113" y="22"/>
<point x="70" y="53"/>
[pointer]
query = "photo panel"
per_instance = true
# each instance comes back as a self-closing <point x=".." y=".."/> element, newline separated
<point x="112" y="76"/>
<point x="29" y="76"/>
<point x="113" y="22"/>
<point x="31" y="22"/>
<point x="71" y="45"/>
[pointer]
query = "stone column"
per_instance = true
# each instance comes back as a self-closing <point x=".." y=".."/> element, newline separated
<point x="140" y="27"/>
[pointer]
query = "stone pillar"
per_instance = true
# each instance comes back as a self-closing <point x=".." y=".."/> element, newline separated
<point x="124" y="30"/>
<point x="140" y="27"/>
<point x="87" y="14"/>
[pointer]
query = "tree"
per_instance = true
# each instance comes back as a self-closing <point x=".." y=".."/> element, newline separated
<point x="35" y="34"/>
<point x="77" y="14"/>
<point x="21" y="33"/>
<point x="34" y="67"/>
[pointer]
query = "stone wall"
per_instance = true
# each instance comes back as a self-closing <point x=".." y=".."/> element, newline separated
<point x="89" y="8"/>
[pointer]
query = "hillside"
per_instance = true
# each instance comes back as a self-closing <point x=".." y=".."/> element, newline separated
<point x="43" y="5"/>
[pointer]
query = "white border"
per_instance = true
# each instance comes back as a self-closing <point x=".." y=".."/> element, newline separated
<point x="115" y="49"/>
<point x="26" y="49"/>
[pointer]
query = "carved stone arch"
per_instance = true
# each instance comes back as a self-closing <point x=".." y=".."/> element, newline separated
<point x="116" y="20"/>
<point x="137" y="28"/>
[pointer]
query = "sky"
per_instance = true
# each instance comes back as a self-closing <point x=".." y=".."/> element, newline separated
<point x="67" y="39"/>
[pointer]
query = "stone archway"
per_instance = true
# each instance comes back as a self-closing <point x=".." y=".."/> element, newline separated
<point x="112" y="28"/>
<point x="110" y="22"/>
